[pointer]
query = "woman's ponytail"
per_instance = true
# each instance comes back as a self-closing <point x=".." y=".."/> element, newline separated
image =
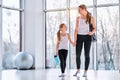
<point x="88" y="17"/>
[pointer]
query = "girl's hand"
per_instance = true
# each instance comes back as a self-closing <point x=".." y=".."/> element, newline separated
<point x="90" y="33"/>
<point x="74" y="44"/>
<point x="56" y="52"/>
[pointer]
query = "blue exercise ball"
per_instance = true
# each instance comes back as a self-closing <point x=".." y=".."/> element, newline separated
<point x="8" y="61"/>
<point x="23" y="60"/>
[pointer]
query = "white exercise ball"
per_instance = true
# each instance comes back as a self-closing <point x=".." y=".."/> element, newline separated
<point x="23" y="60"/>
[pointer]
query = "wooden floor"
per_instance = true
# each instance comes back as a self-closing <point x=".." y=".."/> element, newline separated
<point x="52" y="74"/>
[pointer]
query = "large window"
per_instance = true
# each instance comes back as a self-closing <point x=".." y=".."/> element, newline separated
<point x="11" y="3"/>
<point x="11" y="31"/>
<point x="108" y="37"/>
<point x="76" y="3"/>
<point x="56" y="4"/>
<point x="105" y="53"/>
<point x="11" y="25"/>
<point x="107" y="1"/>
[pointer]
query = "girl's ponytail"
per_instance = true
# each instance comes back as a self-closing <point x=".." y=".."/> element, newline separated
<point x="58" y="35"/>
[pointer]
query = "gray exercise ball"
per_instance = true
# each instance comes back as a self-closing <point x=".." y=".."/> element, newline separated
<point x="8" y="61"/>
<point x="23" y="60"/>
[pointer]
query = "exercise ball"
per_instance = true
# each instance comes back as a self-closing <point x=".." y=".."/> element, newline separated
<point x="8" y="61"/>
<point x="23" y="60"/>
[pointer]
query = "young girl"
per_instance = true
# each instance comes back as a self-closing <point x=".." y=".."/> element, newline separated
<point x="62" y="46"/>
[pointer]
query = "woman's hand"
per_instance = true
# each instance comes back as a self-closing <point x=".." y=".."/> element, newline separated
<point x="90" y="33"/>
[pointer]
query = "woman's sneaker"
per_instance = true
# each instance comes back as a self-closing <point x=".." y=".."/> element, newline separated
<point x="62" y="75"/>
<point x="85" y="74"/>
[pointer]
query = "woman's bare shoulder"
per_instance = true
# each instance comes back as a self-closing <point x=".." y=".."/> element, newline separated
<point x="92" y="17"/>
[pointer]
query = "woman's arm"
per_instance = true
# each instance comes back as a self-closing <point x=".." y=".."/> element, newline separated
<point x="76" y="29"/>
<point x="93" y="25"/>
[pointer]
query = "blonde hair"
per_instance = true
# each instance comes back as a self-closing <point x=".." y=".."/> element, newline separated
<point x="58" y="33"/>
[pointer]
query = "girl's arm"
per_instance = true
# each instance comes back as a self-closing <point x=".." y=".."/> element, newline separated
<point x="76" y="30"/>
<point x="69" y="38"/>
<point x="57" y="46"/>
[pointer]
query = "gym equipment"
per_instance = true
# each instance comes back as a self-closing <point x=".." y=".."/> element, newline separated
<point x="8" y="61"/>
<point x="23" y="60"/>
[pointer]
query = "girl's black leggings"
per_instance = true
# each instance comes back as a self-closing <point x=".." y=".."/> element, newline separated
<point x="86" y="40"/>
<point x="63" y="56"/>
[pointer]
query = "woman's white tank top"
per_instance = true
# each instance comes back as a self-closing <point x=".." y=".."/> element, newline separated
<point x="83" y="28"/>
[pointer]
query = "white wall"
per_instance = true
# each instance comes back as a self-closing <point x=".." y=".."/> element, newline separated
<point x="34" y="31"/>
<point x="39" y="35"/>
<point x="29" y="28"/>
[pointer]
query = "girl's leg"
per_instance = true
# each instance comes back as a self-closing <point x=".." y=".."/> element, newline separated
<point x="60" y="53"/>
<point x="65" y="57"/>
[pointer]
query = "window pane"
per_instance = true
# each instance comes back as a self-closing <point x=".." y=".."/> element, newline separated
<point x="73" y="15"/>
<point x="108" y="38"/>
<point x="12" y="3"/>
<point x="53" y="20"/>
<point x="107" y="1"/>
<point x="76" y="3"/>
<point x="53" y="4"/>
<point x="10" y="26"/>
<point x="0" y="2"/>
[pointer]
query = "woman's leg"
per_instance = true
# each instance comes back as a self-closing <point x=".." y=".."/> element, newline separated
<point x="79" y="45"/>
<point x="87" y="45"/>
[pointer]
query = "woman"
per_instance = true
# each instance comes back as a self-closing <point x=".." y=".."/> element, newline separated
<point x="82" y="35"/>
